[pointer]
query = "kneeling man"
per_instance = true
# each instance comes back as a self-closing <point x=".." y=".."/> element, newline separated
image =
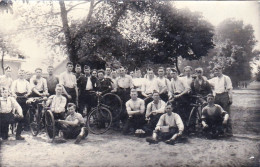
<point x="168" y="128"/>
<point x="73" y="127"/>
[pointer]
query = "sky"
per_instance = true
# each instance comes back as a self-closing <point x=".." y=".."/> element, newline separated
<point x="213" y="11"/>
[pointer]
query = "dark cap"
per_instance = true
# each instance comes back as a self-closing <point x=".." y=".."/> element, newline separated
<point x="78" y="66"/>
<point x="86" y="67"/>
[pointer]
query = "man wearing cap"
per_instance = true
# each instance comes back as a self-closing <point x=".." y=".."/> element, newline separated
<point x="6" y="80"/>
<point x="86" y="84"/>
<point x="52" y="81"/>
<point x="38" y="84"/>
<point x="169" y="127"/>
<point x="78" y="71"/>
<point x="153" y="112"/>
<point x="164" y="84"/>
<point x="104" y="85"/>
<point x="223" y="93"/>
<point x="135" y="108"/>
<point x="214" y="118"/>
<point x="69" y="82"/>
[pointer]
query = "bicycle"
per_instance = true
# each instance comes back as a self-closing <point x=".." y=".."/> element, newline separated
<point x="100" y="117"/>
<point x="39" y="116"/>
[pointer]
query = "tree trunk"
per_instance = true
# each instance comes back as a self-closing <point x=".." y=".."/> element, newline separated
<point x="2" y="63"/>
<point x="71" y="48"/>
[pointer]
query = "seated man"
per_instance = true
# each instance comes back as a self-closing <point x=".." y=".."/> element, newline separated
<point x="168" y="128"/>
<point x="153" y="112"/>
<point x="7" y="105"/>
<point x="135" y="109"/>
<point x="57" y="103"/>
<point x="214" y="118"/>
<point x="104" y="85"/>
<point x="73" y="126"/>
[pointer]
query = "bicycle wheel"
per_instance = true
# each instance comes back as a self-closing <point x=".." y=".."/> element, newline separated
<point x="99" y="120"/>
<point x="50" y="125"/>
<point x="33" y="121"/>
<point x="113" y="103"/>
<point x="190" y="116"/>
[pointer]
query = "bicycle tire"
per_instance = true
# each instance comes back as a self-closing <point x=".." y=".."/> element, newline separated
<point x="114" y="103"/>
<point x="50" y="125"/>
<point x="33" y="120"/>
<point x="191" y="112"/>
<point x="99" y="120"/>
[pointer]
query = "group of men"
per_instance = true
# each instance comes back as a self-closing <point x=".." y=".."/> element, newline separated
<point x="152" y="105"/>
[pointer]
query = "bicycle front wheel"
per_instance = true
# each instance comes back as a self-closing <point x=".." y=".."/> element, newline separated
<point x="50" y="125"/>
<point x="33" y="121"/>
<point x="99" y="120"/>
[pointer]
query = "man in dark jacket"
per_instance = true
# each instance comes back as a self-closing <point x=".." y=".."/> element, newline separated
<point x="86" y="84"/>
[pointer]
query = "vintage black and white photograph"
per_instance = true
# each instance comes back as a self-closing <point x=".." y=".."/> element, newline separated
<point x="129" y="83"/>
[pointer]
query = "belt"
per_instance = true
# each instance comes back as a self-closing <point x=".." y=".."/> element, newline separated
<point x="221" y="93"/>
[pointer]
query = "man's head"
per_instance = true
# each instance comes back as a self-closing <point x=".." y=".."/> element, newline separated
<point x="8" y="71"/>
<point x="113" y="74"/>
<point x="199" y="72"/>
<point x="4" y="92"/>
<point x="108" y="71"/>
<point x="168" y="109"/>
<point x="218" y="70"/>
<point x="58" y="89"/>
<point x="50" y="70"/>
<point x="161" y="71"/>
<point x="210" y="99"/>
<point x="187" y="70"/>
<point x="28" y="75"/>
<point x="38" y="72"/>
<point x="174" y="73"/>
<point x="86" y="70"/>
<point x="168" y="71"/>
<point x="122" y="70"/>
<point x="21" y="74"/>
<point x="138" y="73"/>
<point x="71" y="108"/>
<point x="132" y="74"/>
<point x="156" y="96"/>
<point x="94" y="73"/>
<point x="78" y="68"/>
<point x="133" y="94"/>
<point x="101" y="74"/>
<point x="69" y="66"/>
<point x="150" y="73"/>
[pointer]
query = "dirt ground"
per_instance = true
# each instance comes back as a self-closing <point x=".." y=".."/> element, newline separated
<point x="114" y="149"/>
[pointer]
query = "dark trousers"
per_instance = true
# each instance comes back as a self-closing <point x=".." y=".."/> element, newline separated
<point x="223" y="100"/>
<point x="22" y="102"/>
<point x="134" y="122"/>
<point x="151" y="124"/>
<point x="124" y="94"/>
<point x="59" y="116"/>
<point x="5" y="120"/>
<point x="72" y="93"/>
<point x="86" y="99"/>
<point x="70" y="132"/>
<point x="162" y="136"/>
<point x="164" y="96"/>
<point x="214" y="127"/>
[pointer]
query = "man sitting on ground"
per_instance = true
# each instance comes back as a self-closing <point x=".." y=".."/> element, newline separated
<point x="214" y="118"/>
<point x="73" y="127"/>
<point x="153" y="113"/>
<point x="57" y="103"/>
<point x="168" y="128"/>
<point x="135" y="109"/>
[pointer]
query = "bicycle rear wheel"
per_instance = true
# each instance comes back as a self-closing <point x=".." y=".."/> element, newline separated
<point x="113" y="103"/>
<point x="50" y="125"/>
<point x="99" y="120"/>
<point x="33" y="121"/>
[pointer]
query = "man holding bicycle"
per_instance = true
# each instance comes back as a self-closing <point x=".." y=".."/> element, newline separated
<point x="214" y="118"/>
<point x="38" y="84"/>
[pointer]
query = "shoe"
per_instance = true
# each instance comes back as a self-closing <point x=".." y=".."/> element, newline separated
<point x="151" y="140"/>
<point x="19" y="138"/>
<point x="171" y="142"/>
<point x="79" y="138"/>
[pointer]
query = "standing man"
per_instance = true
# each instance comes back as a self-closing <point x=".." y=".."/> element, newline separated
<point x="6" y="80"/>
<point x="135" y="108"/>
<point x="38" y="84"/>
<point x="86" y="84"/>
<point x="108" y="72"/>
<point x="69" y="82"/>
<point x="52" y="81"/>
<point x="223" y="93"/>
<point x="187" y="78"/>
<point x="164" y="84"/>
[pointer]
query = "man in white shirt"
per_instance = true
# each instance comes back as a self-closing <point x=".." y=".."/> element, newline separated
<point x="187" y="78"/>
<point x="135" y="109"/>
<point x="57" y="103"/>
<point x="153" y="112"/>
<point x="223" y="93"/>
<point x="138" y="81"/>
<point x="169" y="127"/>
<point x="69" y="82"/>
<point x="7" y="115"/>
<point x="38" y="84"/>
<point x="6" y="80"/>
<point x="164" y="84"/>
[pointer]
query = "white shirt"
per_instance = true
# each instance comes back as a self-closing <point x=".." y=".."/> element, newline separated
<point x="187" y="81"/>
<point x="68" y="79"/>
<point x="164" y="82"/>
<point x="149" y="86"/>
<point x="155" y="107"/>
<point x="174" y="120"/>
<point x="89" y="84"/>
<point x="21" y="86"/>
<point x="41" y="83"/>
<point x="6" y="82"/>
<point x="58" y="103"/>
<point x="8" y="104"/>
<point x="221" y="84"/>
<point x="137" y="82"/>
<point x="177" y="86"/>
